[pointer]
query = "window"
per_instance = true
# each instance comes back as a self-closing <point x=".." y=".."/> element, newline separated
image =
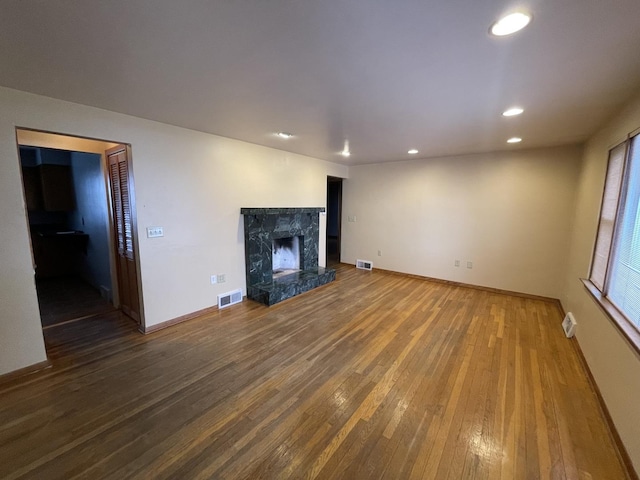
<point x="615" y="268"/>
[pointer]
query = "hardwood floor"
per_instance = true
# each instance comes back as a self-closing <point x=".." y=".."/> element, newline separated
<point x="373" y="376"/>
<point x="69" y="298"/>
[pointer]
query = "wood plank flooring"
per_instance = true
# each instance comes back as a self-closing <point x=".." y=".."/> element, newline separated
<point x="68" y="298"/>
<point x="373" y="376"/>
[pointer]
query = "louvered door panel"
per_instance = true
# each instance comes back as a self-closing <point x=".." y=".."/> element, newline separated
<point x="123" y="209"/>
<point x="127" y="224"/>
<point x="117" y="207"/>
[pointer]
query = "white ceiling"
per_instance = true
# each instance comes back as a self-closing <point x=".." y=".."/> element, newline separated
<point x="386" y="75"/>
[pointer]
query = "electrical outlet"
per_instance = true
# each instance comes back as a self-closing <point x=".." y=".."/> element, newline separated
<point x="214" y="279"/>
<point x="221" y="278"/>
<point x="379" y="253"/>
<point x="469" y="264"/>
<point x="456" y="263"/>
<point x="154" y="232"/>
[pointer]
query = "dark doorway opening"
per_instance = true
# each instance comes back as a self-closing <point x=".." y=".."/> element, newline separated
<point x="67" y="194"/>
<point x="334" y="219"/>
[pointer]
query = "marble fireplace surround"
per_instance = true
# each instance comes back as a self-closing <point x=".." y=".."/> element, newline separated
<point x="261" y="226"/>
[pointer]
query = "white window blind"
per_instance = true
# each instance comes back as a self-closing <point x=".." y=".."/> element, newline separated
<point x="608" y="214"/>
<point x="623" y="286"/>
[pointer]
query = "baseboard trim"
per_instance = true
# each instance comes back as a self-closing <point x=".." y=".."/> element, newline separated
<point x="21" y="372"/>
<point x="623" y="455"/>
<point x="469" y="285"/>
<point x="177" y="320"/>
<point x="622" y="451"/>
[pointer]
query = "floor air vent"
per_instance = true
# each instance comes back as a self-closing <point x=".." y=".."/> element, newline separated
<point x="364" y="264"/>
<point x="569" y="325"/>
<point x="230" y="298"/>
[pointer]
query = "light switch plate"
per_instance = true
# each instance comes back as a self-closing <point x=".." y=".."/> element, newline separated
<point x="153" y="232"/>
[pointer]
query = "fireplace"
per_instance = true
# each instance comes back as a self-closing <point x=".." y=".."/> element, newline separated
<point x="285" y="256"/>
<point x="281" y="253"/>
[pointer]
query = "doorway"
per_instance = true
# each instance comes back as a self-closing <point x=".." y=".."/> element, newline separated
<point x="334" y="219"/>
<point x="69" y="210"/>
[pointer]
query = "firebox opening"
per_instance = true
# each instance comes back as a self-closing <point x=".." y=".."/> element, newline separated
<point x="286" y="256"/>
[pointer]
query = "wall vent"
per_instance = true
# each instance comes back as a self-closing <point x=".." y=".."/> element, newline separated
<point x="230" y="298"/>
<point x="569" y="325"/>
<point x="364" y="264"/>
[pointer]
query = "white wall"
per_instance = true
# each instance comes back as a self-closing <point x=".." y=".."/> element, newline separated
<point x="507" y="213"/>
<point x="21" y="341"/>
<point x="614" y="364"/>
<point x="193" y="184"/>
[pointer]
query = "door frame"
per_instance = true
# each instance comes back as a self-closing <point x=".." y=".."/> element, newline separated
<point x="50" y="139"/>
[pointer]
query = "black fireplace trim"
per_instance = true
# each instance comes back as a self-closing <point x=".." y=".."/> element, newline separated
<point x="280" y="211"/>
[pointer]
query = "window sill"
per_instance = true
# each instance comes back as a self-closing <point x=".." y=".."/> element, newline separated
<point x="628" y="330"/>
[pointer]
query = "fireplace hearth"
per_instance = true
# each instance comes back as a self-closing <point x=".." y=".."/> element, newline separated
<point x="281" y="253"/>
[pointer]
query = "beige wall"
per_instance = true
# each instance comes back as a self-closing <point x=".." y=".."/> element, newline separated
<point x="193" y="184"/>
<point x="615" y="366"/>
<point x="508" y="213"/>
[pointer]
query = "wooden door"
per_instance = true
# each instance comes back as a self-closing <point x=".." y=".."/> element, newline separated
<point x="122" y="200"/>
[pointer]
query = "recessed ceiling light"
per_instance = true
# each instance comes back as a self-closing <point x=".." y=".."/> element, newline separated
<point x="284" y="134"/>
<point x="510" y="24"/>
<point x="513" y="112"/>
<point x="514" y="140"/>
<point x="413" y="151"/>
<point x="346" y="151"/>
